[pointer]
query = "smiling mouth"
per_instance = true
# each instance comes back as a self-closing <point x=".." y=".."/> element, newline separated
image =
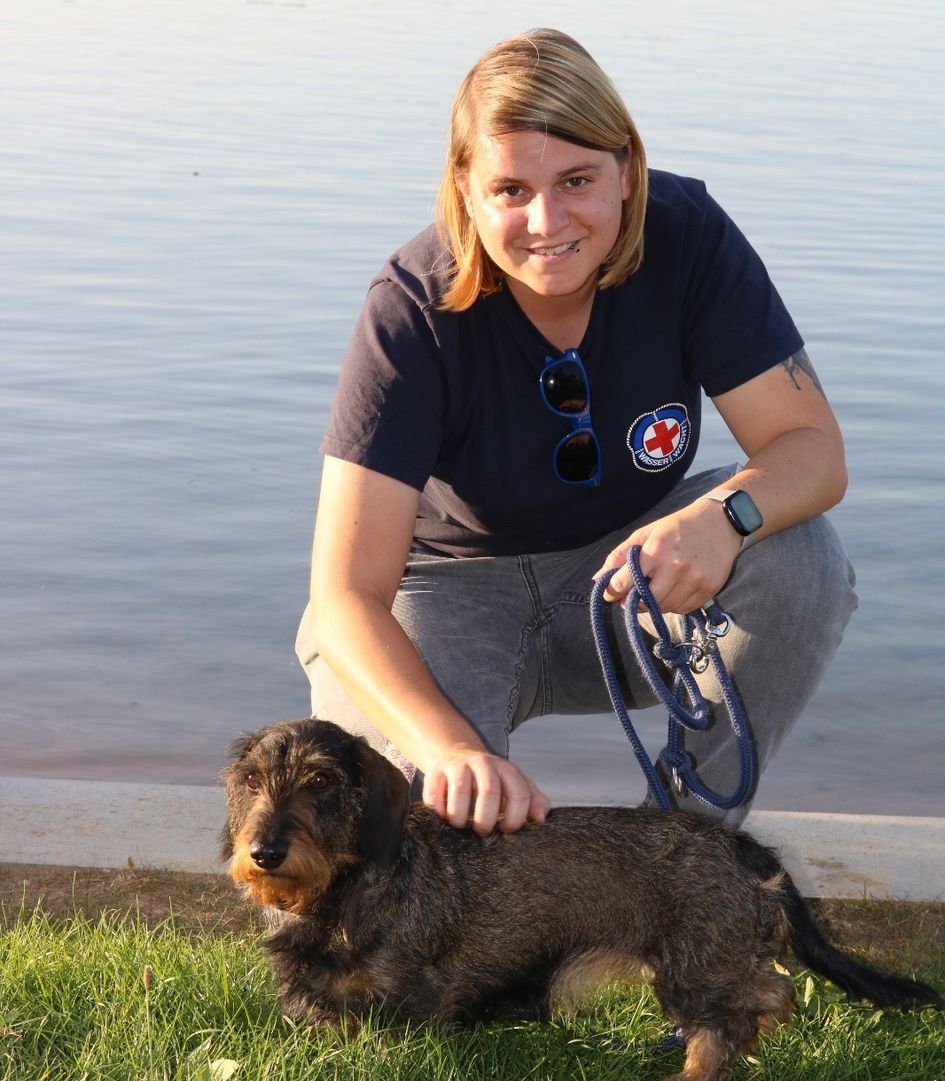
<point x="559" y="249"/>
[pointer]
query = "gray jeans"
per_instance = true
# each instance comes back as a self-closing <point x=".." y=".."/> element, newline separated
<point x="508" y="638"/>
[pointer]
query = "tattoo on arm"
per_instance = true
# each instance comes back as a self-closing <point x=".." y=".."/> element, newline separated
<point x="799" y="365"/>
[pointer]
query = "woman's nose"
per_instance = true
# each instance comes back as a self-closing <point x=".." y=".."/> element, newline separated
<point x="546" y="215"/>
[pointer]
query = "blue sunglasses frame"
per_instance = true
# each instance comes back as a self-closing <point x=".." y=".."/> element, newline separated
<point x="581" y="425"/>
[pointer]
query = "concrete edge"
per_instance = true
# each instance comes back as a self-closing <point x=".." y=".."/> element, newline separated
<point x="176" y="827"/>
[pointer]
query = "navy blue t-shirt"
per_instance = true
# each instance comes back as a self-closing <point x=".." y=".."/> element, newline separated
<point x="449" y="402"/>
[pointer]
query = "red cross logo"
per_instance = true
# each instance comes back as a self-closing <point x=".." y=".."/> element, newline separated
<point x="662" y="437"/>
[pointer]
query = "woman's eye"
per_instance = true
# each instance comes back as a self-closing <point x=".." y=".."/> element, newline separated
<point x="576" y="181"/>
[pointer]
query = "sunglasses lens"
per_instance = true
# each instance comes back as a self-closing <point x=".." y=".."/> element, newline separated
<point x="564" y="387"/>
<point x="577" y="458"/>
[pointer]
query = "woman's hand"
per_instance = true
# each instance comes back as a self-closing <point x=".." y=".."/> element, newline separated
<point x="468" y="786"/>
<point x="795" y="470"/>
<point x="687" y="557"/>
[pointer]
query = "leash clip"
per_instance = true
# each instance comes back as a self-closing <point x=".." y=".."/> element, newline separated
<point x="699" y="655"/>
<point x="702" y="648"/>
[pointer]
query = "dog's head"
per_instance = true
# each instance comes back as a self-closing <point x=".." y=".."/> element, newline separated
<point x="306" y="800"/>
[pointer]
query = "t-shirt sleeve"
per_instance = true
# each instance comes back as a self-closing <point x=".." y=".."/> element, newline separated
<point x="736" y="325"/>
<point x="388" y="410"/>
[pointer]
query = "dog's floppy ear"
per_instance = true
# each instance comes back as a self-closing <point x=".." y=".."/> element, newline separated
<point x="386" y="803"/>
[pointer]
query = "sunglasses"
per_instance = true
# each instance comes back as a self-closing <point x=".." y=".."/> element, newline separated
<point x="565" y="390"/>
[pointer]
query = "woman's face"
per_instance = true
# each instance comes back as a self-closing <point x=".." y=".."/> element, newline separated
<point x="547" y="211"/>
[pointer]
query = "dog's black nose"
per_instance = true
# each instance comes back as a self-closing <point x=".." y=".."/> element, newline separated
<point x="269" y="854"/>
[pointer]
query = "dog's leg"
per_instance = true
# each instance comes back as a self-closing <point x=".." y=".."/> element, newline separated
<point x="712" y="1051"/>
<point x="709" y="1056"/>
<point x="345" y="1024"/>
<point x="772" y="999"/>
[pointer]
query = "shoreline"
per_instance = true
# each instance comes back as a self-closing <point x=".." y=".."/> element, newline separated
<point x="120" y="825"/>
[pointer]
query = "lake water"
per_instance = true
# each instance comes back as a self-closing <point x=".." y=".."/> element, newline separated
<point x="193" y="196"/>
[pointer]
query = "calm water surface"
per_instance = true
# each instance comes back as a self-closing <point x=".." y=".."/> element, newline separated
<point x="193" y="196"/>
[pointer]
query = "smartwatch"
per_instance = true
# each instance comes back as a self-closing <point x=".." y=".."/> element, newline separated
<point x="739" y="508"/>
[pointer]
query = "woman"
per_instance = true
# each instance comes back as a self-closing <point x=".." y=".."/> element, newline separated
<point x="478" y="475"/>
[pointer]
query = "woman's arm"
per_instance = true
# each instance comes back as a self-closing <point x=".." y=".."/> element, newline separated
<point x="362" y="539"/>
<point x="795" y="470"/>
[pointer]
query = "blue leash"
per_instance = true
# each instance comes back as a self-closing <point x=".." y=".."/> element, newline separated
<point x="694" y="654"/>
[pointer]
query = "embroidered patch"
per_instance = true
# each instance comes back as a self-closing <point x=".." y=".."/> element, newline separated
<point x="659" y="438"/>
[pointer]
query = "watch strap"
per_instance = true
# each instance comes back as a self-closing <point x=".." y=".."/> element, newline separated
<point x="719" y="494"/>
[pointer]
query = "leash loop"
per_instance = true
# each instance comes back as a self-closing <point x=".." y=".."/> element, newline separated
<point x="685" y="702"/>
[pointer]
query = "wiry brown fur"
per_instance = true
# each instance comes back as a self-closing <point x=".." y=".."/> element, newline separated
<point x="375" y="904"/>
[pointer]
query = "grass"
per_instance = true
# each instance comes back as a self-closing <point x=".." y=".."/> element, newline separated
<point x="112" y="998"/>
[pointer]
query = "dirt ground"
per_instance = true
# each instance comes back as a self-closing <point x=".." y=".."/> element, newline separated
<point x="897" y="934"/>
<point x="198" y="902"/>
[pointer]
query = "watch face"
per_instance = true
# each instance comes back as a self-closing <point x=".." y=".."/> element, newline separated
<point x="743" y="513"/>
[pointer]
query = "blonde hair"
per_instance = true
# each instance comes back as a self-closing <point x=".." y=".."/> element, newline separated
<point x="539" y="81"/>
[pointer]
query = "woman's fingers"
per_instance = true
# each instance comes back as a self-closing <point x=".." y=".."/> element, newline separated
<point x="482" y="790"/>
<point x="686" y="558"/>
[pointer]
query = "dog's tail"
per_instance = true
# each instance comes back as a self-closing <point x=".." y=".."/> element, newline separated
<point x="856" y="979"/>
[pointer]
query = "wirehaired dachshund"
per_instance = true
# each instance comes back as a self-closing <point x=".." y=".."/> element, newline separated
<point x="376" y="905"/>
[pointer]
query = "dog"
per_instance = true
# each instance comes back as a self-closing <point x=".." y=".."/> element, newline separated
<point x="377" y="905"/>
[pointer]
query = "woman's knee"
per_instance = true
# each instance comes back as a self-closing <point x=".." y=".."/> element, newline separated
<point x="802" y="572"/>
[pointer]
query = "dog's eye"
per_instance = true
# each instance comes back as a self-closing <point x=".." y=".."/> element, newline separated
<point x="320" y="781"/>
<point x="252" y="782"/>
